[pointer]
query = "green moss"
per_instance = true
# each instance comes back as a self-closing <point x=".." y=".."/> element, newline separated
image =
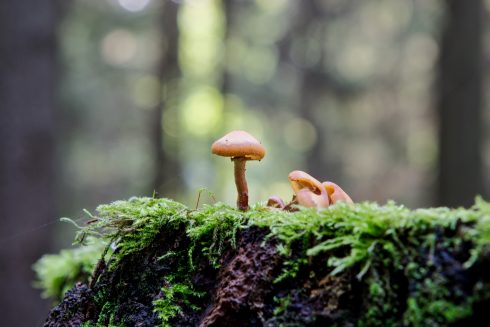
<point x="174" y="297"/>
<point x="211" y="226"/>
<point x="282" y="304"/>
<point x="134" y="223"/>
<point x="377" y="242"/>
<point x="107" y="315"/>
<point x="57" y="273"/>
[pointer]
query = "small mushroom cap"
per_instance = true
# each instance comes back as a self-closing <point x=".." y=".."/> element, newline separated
<point x="299" y="180"/>
<point x="275" y="202"/>
<point x="309" y="191"/>
<point x="238" y="144"/>
<point x="336" y="194"/>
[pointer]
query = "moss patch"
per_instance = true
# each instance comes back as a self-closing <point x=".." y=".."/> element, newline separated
<point x="57" y="273"/>
<point x="364" y="264"/>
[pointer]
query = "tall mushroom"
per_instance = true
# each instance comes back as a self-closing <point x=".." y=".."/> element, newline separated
<point x="240" y="146"/>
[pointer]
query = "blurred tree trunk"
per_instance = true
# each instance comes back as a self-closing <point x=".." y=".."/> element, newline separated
<point x="27" y="101"/>
<point x="228" y="11"/>
<point x="167" y="176"/>
<point x="307" y="33"/>
<point x="460" y="103"/>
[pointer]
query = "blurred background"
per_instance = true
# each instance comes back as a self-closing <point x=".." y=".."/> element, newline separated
<point x="105" y="99"/>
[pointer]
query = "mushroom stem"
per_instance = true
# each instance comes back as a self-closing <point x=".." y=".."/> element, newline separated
<point x="241" y="183"/>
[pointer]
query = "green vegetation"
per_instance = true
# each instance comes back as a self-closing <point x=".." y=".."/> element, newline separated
<point x="377" y="243"/>
<point x="168" y="307"/>
<point x="57" y="273"/>
<point x="134" y="223"/>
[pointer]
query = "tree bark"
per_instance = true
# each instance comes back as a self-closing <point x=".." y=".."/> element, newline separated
<point x="245" y="291"/>
<point x="27" y="102"/>
<point x="460" y="104"/>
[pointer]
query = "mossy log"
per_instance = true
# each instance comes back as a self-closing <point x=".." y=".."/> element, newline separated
<point x="348" y="265"/>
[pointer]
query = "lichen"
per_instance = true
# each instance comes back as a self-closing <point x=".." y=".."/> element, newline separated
<point x="404" y="261"/>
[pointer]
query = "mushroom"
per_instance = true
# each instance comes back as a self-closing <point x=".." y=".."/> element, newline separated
<point x="240" y="146"/>
<point x="309" y="191"/>
<point x="275" y="202"/>
<point x="336" y="194"/>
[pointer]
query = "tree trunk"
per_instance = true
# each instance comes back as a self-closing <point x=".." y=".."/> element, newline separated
<point x="314" y="84"/>
<point x="412" y="275"/>
<point x="229" y="10"/>
<point x="167" y="176"/>
<point x="460" y="103"/>
<point x="27" y="101"/>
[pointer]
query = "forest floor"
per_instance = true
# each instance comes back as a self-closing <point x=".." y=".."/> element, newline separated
<point x="348" y="265"/>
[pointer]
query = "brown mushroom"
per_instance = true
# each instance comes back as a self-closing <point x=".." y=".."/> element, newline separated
<point x="240" y="146"/>
<point x="308" y="190"/>
<point x="336" y="194"/>
<point x="275" y="202"/>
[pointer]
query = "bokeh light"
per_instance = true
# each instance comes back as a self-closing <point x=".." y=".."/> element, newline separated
<point x="134" y="5"/>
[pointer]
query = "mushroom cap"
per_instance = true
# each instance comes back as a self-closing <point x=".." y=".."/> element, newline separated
<point x="238" y="144"/>
<point x="309" y="191"/>
<point x="336" y="194"/>
<point x="299" y="180"/>
<point x="275" y="202"/>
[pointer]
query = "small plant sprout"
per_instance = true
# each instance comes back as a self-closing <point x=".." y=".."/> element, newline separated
<point x="309" y="192"/>
<point x="240" y="146"/>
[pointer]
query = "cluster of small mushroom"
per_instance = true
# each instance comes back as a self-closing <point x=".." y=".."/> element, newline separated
<point x="308" y="191"/>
